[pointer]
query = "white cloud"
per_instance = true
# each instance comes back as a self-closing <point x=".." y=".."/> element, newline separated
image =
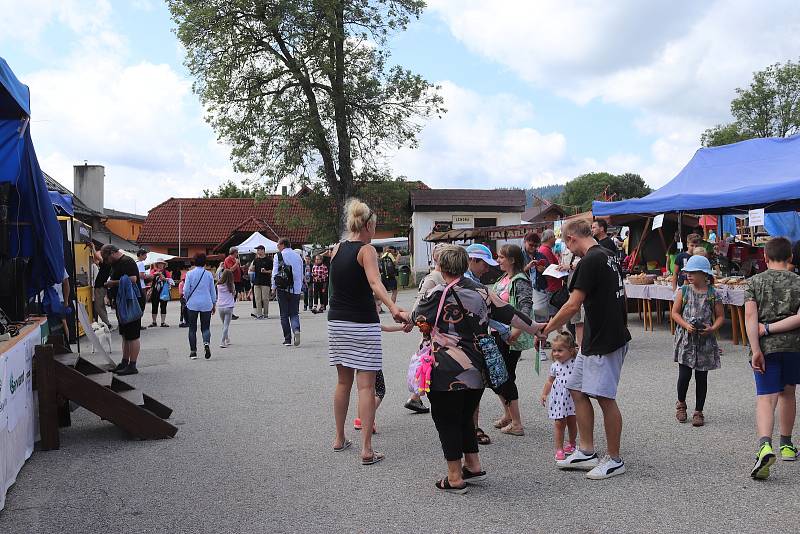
<point x="677" y="63"/>
<point x="27" y="20"/>
<point x="482" y="142"/>
<point x="139" y="119"/>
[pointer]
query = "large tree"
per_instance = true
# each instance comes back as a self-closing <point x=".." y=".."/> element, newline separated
<point x="579" y="192"/>
<point x="769" y="107"/>
<point x="231" y="189"/>
<point x="301" y="89"/>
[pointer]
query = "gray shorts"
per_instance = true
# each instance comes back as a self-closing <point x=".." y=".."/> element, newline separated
<point x="598" y="376"/>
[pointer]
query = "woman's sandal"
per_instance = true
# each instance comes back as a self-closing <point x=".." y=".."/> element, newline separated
<point x="470" y="477"/>
<point x="444" y="485"/>
<point x="483" y="438"/>
<point x="500" y="423"/>
<point x="376" y="457"/>
<point x="345" y="446"/>
<point x="508" y="429"/>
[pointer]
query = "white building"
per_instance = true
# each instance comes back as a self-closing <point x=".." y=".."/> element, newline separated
<point x="445" y="209"/>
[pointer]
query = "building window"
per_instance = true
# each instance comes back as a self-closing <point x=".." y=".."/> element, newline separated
<point x="483" y="222"/>
<point x="173" y="251"/>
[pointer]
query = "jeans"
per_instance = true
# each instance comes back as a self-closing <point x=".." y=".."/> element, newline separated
<point x="205" y="327"/>
<point x="225" y="315"/>
<point x="261" y="296"/>
<point x="319" y="294"/>
<point x="289" y="304"/>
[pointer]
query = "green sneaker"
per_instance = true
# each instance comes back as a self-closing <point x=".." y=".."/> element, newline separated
<point x="764" y="460"/>
<point x="788" y="453"/>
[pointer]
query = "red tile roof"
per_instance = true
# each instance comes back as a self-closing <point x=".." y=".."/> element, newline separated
<point x="209" y="221"/>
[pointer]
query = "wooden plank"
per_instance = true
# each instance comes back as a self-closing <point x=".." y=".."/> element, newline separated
<point x="164" y="412"/>
<point x="103" y="379"/>
<point x="133" y="396"/>
<point x="107" y="404"/>
<point x="47" y="390"/>
<point x="69" y="359"/>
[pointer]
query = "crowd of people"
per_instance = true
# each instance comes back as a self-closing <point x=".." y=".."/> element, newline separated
<point x="475" y="313"/>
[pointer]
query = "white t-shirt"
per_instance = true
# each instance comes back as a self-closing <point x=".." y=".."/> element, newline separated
<point x="140" y="266"/>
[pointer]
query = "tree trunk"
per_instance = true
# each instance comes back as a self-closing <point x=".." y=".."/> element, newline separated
<point x="345" y="182"/>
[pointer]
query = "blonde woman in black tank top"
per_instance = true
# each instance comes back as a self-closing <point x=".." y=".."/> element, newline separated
<point x="354" y="332"/>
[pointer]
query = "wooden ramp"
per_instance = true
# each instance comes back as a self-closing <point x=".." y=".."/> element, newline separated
<point x="61" y="378"/>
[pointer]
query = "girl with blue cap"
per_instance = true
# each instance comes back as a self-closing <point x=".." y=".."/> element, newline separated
<point x="698" y="314"/>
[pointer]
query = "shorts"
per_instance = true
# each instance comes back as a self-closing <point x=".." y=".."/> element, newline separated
<point x="131" y="331"/>
<point x="239" y="286"/>
<point x="389" y="283"/>
<point x="598" y="375"/>
<point x="578" y="318"/>
<point x="781" y="369"/>
<point x="541" y="306"/>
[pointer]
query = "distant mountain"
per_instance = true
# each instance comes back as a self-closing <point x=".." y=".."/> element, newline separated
<point x="547" y="192"/>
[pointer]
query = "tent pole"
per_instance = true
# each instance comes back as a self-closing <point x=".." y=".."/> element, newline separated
<point x="74" y="285"/>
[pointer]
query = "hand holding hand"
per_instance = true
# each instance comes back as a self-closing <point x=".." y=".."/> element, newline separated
<point x="400" y="315"/>
<point x="408" y="327"/>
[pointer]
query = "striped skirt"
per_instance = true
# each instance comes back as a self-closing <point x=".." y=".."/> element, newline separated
<point x="355" y="345"/>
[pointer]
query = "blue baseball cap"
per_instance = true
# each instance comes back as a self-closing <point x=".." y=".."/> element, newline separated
<point x="698" y="264"/>
<point x="481" y="252"/>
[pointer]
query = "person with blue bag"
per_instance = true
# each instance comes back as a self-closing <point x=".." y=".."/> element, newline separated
<point x="454" y="320"/>
<point x="160" y="291"/>
<point x="125" y="279"/>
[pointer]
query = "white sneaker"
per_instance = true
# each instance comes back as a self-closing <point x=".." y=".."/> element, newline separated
<point x="579" y="460"/>
<point x="607" y="468"/>
<point x="296" y="337"/>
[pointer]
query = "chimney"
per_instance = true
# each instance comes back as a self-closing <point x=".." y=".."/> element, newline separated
<point x="284" y="190"/>
<point x="88" y="185"/>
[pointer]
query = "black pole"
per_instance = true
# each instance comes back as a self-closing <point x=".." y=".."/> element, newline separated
<point x="74" y="285"/>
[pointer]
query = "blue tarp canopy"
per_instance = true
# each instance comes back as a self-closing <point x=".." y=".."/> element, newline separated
<point x="62" y="203"/>
<point x="757" y="173"/>
<point x="34" y="231"/>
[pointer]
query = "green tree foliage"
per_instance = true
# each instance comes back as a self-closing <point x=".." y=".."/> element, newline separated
<point x="547" y="192"/>
<point x="769" y="107"/>
<point x="232" y="190"/>
<point x="302" y="89"/>
<point x="579" y="193"/>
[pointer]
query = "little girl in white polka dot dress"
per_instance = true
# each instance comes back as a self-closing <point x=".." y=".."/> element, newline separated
<point x="556" y="396"/>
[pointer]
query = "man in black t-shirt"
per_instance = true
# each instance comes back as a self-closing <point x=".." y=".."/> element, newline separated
<point x="130" y="332"/>
<point x="600" y="233"/>
<point x="262" y="267"/>
<point x="597" y="285"/>
<point x="99" y="287"/>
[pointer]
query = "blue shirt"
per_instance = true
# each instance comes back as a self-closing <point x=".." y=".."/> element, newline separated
<point x="292" y="259"/>
<point x="199" y="290"/>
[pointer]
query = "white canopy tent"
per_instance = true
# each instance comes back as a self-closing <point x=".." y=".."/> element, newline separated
<point x="249" y="245"/>
<point x="153" y="257"/>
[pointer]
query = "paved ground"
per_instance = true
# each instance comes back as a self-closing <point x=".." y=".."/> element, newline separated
<point x="253" y="453"/>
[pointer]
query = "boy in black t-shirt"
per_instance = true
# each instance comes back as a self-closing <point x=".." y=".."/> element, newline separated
<point x="597" y="285"/>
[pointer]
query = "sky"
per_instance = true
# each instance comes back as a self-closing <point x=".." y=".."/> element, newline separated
<point x="537" y="91"/>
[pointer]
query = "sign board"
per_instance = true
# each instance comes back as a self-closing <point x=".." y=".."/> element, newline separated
<point x="463" y="221"/>
<point x="658" y="221"/>
<point x="756" y="217"/>
<point x="557" y="228"/>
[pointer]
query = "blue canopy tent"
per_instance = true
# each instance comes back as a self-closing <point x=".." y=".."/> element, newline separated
<point x="31" y="228"/>
<point x="62" y="203"/>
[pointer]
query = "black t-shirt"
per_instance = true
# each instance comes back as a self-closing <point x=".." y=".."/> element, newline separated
<point x="680" y="263"/>
<point x="125" y="265"/>
<point x="103" y="272"/>
<point x="599" y="276"/>
<point x="263" y="279"/>
<point x="609" y="244"/>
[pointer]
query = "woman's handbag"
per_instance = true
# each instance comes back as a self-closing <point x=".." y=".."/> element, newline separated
<point x="421" y="364"/>
<point x="495" y="365"/>
<point x="560" y="297"/>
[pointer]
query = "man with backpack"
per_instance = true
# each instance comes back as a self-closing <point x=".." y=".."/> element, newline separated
<point x="287" y="282"/>
<point x="387" y="265"/>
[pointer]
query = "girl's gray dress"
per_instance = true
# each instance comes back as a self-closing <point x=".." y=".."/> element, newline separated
<point x="699" y="352"/>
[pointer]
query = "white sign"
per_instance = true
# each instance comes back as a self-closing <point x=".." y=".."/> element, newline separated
<point x="658" y="221"/>
<point x="463" y="221"/>
<point x="3" y="395"/>
<point x="756" y="217"/>
<point x="15" y="382"/>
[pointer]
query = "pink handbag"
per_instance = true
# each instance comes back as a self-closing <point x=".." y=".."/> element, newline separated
<point x="421" y="364"/>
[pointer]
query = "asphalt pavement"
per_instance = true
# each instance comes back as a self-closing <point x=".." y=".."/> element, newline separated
<point x="253" y="452"/>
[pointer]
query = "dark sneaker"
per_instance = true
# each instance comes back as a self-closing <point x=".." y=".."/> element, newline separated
<point x="129" y="370"/>
<point x="416" y="406"/>
<point x="287" y="342"/>
<point x="183" y="325"/>
<point x="122" y="365"/>
<point x="234" y="317"/>
<point x="297" y="338"/>
<point x="193" y="355"/>
<point x="208" y="352"/>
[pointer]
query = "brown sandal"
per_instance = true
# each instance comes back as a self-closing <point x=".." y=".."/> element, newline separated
<point x="680" y="411"/>
<point x="500" y="423"/>
<point x="483" y="438"/>
<point x="698" y="419"/>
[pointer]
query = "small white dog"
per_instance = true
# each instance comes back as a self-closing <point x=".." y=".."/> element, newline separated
<point x="103" y="333"/>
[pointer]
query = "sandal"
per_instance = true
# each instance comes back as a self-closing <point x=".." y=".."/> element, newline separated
<point x="483" y="438"/>
<point x="164" y="325"/>
<point x="376" y="457"/>
<point x="444" y="485"/>
<point x="345" y="446"/>
<point x="153" y="324"/>
<point x="511" y="432"/>
<point x="470" y="477"/>
<point x="502" y="422"/>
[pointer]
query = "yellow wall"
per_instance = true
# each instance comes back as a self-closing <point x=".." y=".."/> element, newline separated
<point x="125" y="228"/>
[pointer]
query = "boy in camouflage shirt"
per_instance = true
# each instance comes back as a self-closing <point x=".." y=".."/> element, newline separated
<point x="772" y="296"/>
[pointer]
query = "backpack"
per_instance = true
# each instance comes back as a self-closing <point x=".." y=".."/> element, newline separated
<point x="284" y="278"/>
<point x="387" y="267"/>
<point x="540" y="282"/>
